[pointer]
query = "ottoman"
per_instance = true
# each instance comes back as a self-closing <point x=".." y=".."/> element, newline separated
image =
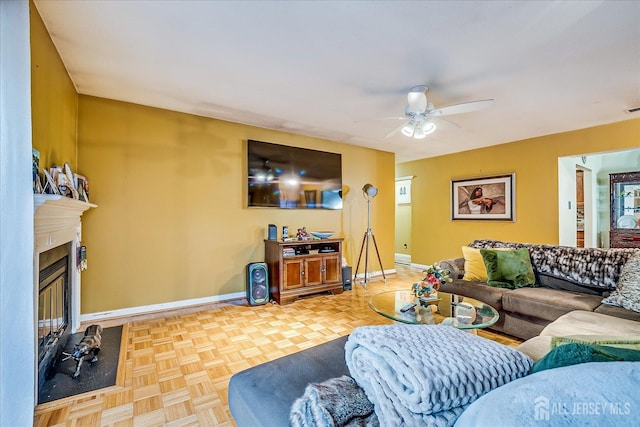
<point x="579" y="322"/>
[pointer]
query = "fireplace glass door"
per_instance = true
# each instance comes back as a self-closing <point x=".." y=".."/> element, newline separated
<point x="53" y="303"/>
<point x="51" y="313"/>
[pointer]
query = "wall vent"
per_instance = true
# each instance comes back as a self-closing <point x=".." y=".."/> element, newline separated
<point x="632" y="110"/>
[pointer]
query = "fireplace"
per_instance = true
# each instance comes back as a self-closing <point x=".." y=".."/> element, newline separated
<point x="54" y="295"/>
<point x="57" y="230"/>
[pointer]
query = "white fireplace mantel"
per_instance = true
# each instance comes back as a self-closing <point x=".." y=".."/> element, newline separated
<point x="56" y="222"/>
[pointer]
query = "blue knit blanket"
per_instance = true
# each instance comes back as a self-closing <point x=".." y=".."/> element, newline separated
<point x="427" y="374"/>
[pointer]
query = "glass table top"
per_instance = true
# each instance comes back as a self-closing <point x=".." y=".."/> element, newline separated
<point x="449" y="309"/>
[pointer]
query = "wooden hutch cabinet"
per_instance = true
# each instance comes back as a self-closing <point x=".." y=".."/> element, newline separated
<point x="303" y="267"/>
<point x="625" y="210"/>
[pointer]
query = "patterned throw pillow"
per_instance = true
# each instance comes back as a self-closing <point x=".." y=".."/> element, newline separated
<point x="627" y="292"/>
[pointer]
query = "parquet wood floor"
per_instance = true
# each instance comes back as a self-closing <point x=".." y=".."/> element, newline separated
<point x="178" y="364"/>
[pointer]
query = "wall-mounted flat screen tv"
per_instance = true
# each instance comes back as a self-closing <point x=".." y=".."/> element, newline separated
<point x="286" y="177"/>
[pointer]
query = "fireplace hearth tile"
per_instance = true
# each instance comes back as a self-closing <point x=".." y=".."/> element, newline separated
<point x="100" y="374"/>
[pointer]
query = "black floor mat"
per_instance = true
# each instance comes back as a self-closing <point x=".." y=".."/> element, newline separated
<point x="92" y="376"/>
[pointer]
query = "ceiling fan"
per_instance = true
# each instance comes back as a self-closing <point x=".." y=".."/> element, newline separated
<point x="421" y="118"/>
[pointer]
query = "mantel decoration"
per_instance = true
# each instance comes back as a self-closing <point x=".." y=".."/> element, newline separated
<point x="59" y="180"/>
<point x="428" y="287"/>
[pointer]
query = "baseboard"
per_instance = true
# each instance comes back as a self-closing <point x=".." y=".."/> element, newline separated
<point x="176" y="305"/>
<point x="153" y="308"/>
<point x="420" y="266"/>
<point x="404" y="259"/>
<point x="376" y="273"/>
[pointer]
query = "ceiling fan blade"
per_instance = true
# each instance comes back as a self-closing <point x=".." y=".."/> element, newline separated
<point x="443" y="124"/>
<point x="396" y="130"/>
<point x="465" y="107"/>
<point x="380" y="118"/>
<point x="394" y="118"/>
<point x="417" y="99"/>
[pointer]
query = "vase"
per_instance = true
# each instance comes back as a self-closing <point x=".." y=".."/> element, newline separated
<point x="427" y="298"/>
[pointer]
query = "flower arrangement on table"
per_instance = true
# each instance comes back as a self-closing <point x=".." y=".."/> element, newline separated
<point x="429" y="286"/>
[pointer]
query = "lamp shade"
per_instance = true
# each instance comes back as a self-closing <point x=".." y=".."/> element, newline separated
<point x="370" y="190"/>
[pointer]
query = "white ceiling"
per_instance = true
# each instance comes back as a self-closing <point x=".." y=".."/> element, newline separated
<point x="329" y="68"/>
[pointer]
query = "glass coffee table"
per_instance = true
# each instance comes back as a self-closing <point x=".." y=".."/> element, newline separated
<point x="447" y="309"/>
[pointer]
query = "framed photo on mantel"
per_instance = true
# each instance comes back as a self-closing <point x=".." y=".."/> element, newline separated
<point x="486" y="198"/>
<point x="82" y="185"/>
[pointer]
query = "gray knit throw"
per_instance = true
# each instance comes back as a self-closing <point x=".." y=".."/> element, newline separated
<point x="336" y="402"/>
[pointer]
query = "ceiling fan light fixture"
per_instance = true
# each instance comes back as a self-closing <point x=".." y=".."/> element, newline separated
<point x="418" y="130"/>
<point x="409" y="129"/>
<point x="428" y="128"/>
<point x="419" y="133"/>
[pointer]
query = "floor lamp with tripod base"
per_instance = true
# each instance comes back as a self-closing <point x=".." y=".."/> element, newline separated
<point x="369" y="191"/>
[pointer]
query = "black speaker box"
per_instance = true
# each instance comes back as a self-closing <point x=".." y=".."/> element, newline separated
<point x="273" y="232"/>
<point x="346" y="278"/>
<point x="257" y="283"/>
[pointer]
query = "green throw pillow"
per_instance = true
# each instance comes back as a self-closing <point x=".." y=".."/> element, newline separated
<point x="574" y="353"/>
<point x="508" y="269"/>
<point x="631" y="342"/>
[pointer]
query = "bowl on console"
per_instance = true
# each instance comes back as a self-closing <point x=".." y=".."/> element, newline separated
<point x="322" y="234"/>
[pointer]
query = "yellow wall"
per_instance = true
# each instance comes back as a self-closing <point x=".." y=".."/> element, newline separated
<point x="54" y="100"/>
<point x="172" y="222"/>
<point x="535" y="163"/>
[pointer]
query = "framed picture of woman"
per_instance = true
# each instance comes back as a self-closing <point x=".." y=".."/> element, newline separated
<point x="487" y="198"/>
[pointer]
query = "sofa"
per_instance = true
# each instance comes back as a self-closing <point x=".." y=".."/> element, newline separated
<point x="566" y="279"/>
<point x="264" y="395"/>
<point x="562" y="301"/>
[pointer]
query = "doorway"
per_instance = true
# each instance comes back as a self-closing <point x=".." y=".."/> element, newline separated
<point x="596" y="168"/>
<point x="577" y="191"/>
<point x="403" y="221"/>
<point x="584" y="208"/>
<point x="579" y="208"/>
